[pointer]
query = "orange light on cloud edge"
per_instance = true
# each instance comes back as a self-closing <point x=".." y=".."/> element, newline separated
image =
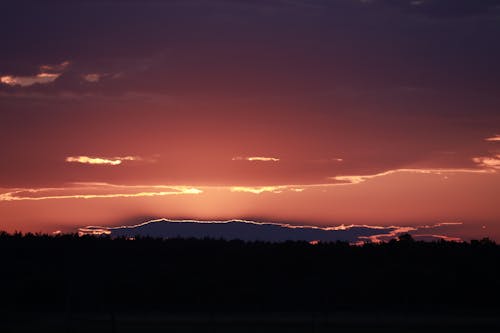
<point x="47" y="74"/>
<point x="101" y="160"/>
<point x="256" y="159"/>
<point x="380" y="233"/>
<point x="95" y="191"/>
<point x="392" y="197"/>
<point x="495" y="138"/>
<point x="490" y="165"/>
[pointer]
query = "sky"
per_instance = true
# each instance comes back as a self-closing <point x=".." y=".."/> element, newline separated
<point x="302" y="112"/>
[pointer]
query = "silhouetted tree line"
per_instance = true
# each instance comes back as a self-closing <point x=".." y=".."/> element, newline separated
<point x="96" y="274"/>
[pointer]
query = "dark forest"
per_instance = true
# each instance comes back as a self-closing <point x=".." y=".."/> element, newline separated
<point x="69" y="277"/>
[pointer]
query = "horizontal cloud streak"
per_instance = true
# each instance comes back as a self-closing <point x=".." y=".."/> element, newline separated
<point x="357" y="179"/>
<point x="381" y="237"/>
<point x="490" y="162"/>
<point x="26" y="81"/>
<point x="94" y="77"/>
<point x="95" y="191"/>
<point x="101" y="160"/>
<point x="493" y="138"/>
<point x="256" y="159"/>
<point x="47" y="74"/>
<point x="88" y="190"/>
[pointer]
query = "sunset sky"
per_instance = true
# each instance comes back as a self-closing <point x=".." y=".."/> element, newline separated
<point x="305" y="112"/>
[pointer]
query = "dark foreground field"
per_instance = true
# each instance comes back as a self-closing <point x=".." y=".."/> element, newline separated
<point x="246" y="323"/>
<point x="86" y="284"/>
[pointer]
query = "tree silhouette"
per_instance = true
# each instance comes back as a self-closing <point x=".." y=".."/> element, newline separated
<point x="189" y="275"/>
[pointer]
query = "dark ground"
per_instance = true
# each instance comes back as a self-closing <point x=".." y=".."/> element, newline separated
<point x="86" y="284"/>
<point x="271" y="322"/>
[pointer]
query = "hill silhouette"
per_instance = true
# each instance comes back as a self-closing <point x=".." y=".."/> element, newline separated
<point x="253" y="231"/>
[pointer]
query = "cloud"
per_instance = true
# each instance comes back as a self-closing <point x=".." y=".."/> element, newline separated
<point x="268" y="231"/>
<point x="58" y="68"/>
<point x="47" y="74"/>
<point x="258" y="189"/>
<point x="489" y="165"/>
<point x="95" y="191"/>
<point x="256" y="159"/>
<point x="93" y="78"/>
<point x="101" y="160"/>
<point x="488" y="162"/>
<point x="493" y="138"/>
<point x="357" y="179"/>
<point x="26" y="81"/>
<point x="433" y="237"/>
<point x="271" y="189"/>
<point x="382" y="237"/>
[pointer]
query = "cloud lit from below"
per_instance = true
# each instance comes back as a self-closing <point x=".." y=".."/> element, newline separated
<point x="93" y="78"/>
<point x="495" y="138"/>
<point x="26" y="81"/>
<point x="101" y="160"/>
<point x="258" y="190"/>
<point x="248" y="230"/>
<point x="95" y="191"/>
<point x="47" y="74"/>
<point x="256" y="159"/>
<point x="486" y="162"/>
<point x="490" y="162"/>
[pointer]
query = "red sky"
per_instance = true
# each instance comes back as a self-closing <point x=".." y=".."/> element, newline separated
<point x="305" y="112"/>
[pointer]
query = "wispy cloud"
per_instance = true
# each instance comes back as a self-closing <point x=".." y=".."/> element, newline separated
<point x="437" y="237"/>
<point x="93" y="77"/>
<point x="488" y="162"/>
<point x="101" y="160"/>
<point x="258" y="189"/>
<point x="493" y="138"/>
<point x="256" y="159"/>
<point x="268" y="189"/>
<point x="357" y="179"/>
<point x="488" y="166"/>
<point x="47" y="74"/>
<point x="26" y="81"/>
<point x="95" y="191"/>
<point x="91" y="190"/>
<point x="57" y="68"/>
<point x="396" y="231"/>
